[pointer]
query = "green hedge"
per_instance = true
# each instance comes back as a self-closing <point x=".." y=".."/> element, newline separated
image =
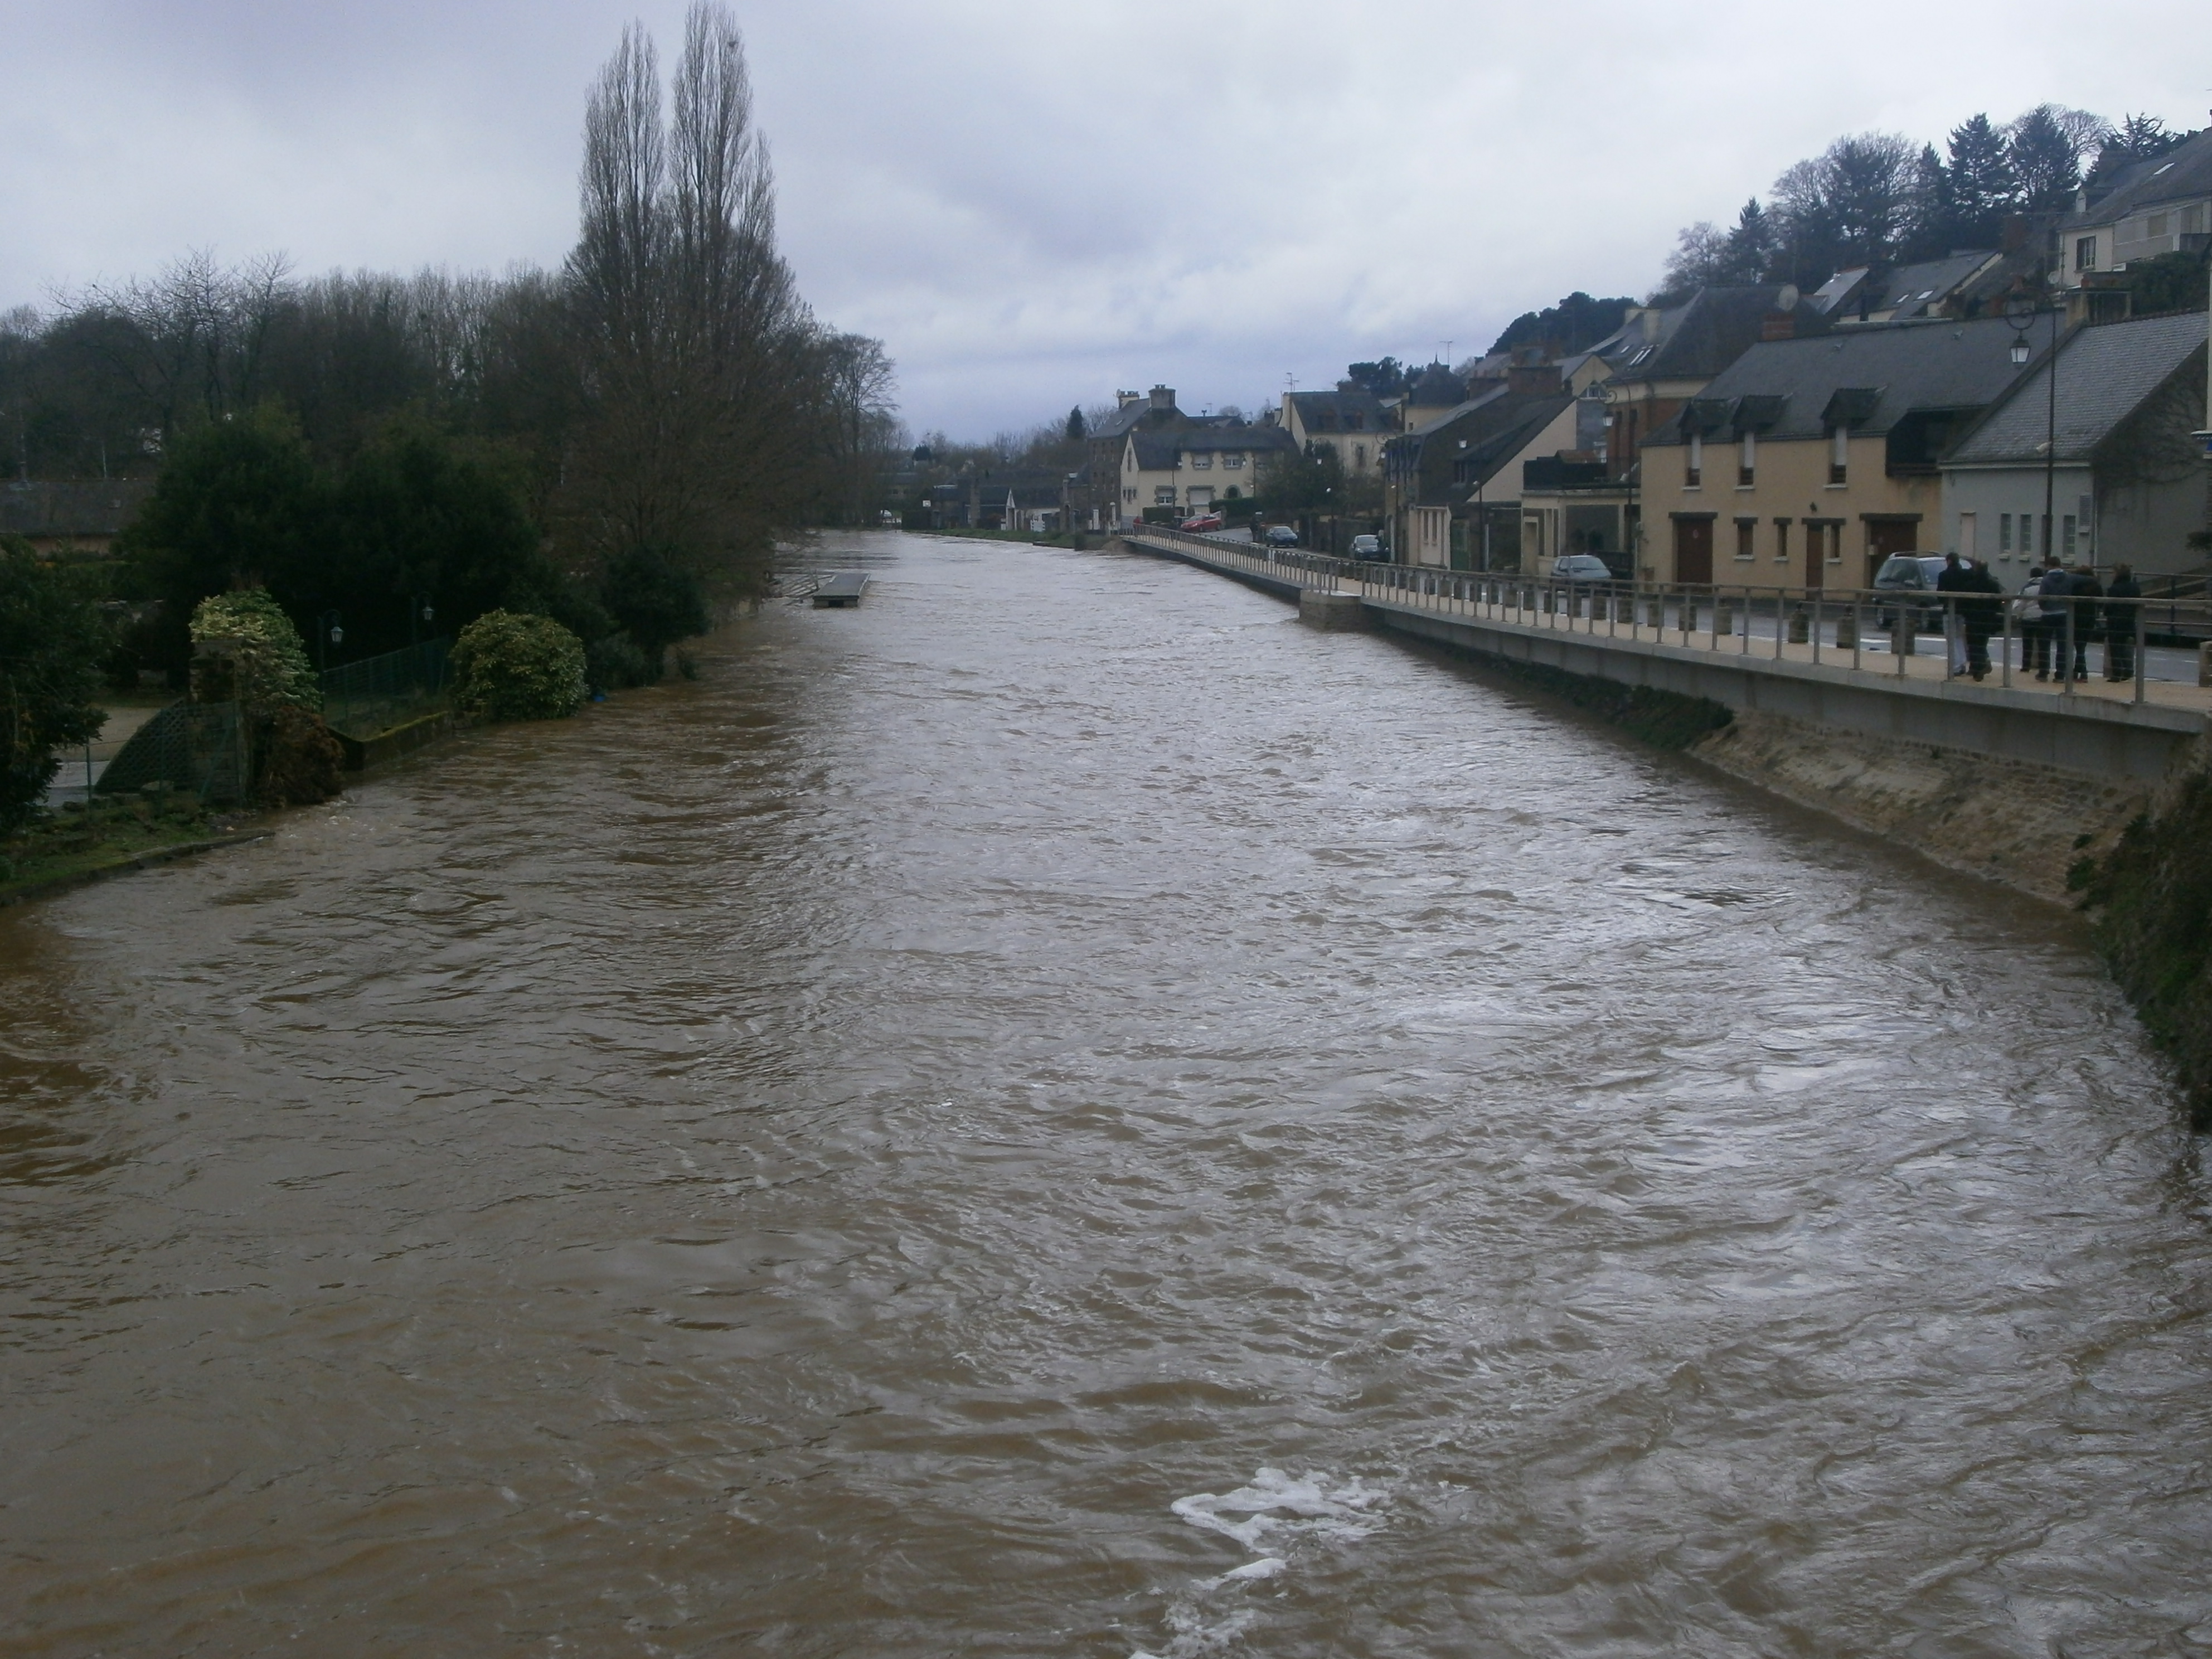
<point x="511" y="666"/>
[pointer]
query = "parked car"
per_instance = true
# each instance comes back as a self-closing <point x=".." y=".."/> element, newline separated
<point x="1369" y="549"/>
<point x="1200" y="522"/>
<point x="1908" y="573"/>
<point x="1580" y="568"/>
<point x="1281" y="535"/>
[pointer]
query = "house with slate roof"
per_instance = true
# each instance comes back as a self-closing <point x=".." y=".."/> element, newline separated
<point x="70" y="517"/>
<point x="2163" y="205"/>
<point x="1809" y="461"/>
<point x="1134" y="412"/>
<point x="2125" y="480"/>
<point x="1350" y="420"/>
<point x="1452" y="485"/>
<point x="1194" y="470"/>
<point x="1661" y="356"/>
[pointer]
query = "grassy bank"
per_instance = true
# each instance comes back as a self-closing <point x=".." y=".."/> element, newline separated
<point x="2152" y="900"/>
<point x="75" y="847"/>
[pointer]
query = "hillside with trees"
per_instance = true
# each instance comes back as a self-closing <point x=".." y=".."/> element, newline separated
<point x="619" y="442"/>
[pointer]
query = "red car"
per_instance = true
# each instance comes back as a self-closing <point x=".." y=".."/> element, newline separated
<point x="1202" y="522"/>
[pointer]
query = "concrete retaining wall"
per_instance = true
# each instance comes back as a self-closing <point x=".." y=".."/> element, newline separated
<point x="2097" y="738"/>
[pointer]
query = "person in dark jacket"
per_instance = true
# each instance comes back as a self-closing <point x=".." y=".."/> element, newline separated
<point x="2120" y="625"/>
<point x="1979" y="596"/>
<point x="1952" y="581"/>
<point x="2034" y="638"/>
<point x="2057" y="585"/>
<point x="2085" y="590"/>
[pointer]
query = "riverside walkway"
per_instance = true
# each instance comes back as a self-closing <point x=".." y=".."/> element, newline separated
<point x="1811" y="655"/>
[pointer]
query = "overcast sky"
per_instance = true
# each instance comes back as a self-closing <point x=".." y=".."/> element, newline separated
<point x="1034" y="201"/>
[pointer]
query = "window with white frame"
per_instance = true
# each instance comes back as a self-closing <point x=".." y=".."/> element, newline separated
<point x="1839" y="456"/>
<point x="1234" y="463"/>
<point x="1747" y="460"/>
<point x="1201" y="463"/>
<point x="1163" y="495"/>
<point x="1693" y="465"/>
<point x="2004" y="533"/>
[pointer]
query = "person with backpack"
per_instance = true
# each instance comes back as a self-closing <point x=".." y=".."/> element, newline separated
<point x="2120" y="624"/>
<point x="2027" y="616"/>
<point x="2054" y="588"/>
<point x="2085" y="590"/>
<point x="1980" y="594"/>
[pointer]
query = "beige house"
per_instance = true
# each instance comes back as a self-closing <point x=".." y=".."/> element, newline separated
<point x="2163" y="205"/>
<point x="1194" y="470"/>
<point x="1809" y="461"/>
<point x="1350" y="420"/>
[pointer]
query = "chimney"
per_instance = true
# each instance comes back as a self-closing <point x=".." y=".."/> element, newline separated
<point x="1123" y="399"/>
<point x="1163" y="396"/>
<point x="1536" y="379"/>
<point x="1778" y="326"/>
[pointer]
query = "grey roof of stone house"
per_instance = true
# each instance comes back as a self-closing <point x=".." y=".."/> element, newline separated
<point x="1325" y="412"/>
<point x="1487" y="456"/>
<point x="99" y="506"/>
<point x="2104" y="373"/>
<point x="1211" y="439"/>
<point x="1909" y="366"/>
<point x="1910" y="290"/>
<point x="1126" y="417"/>
<point x="1699" y="338"/>
<point x="2183" y="173"/>
<point x="1157" y="451"/>
<point x="1491" y="392"/>
<point x="1435" y="388"/>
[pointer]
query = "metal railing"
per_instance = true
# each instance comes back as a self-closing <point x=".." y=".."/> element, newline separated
<point x="2063" y="642"/>
<point x="366" y="698"/>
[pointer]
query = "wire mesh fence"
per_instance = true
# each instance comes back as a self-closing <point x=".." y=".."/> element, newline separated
<point x="364" y="699"/>
<point x="200" y="747"/>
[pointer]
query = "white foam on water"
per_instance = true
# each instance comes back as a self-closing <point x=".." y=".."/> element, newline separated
<point x="1274" y="1513"/>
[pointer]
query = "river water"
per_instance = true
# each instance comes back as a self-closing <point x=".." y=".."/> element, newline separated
<point x="1062" y="1113"/>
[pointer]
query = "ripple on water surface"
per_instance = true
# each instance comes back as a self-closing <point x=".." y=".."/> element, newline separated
<point x="1061" y="1112"/>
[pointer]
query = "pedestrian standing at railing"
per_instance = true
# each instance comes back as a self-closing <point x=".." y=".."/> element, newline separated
<point x="2057" y="585"/>
<point x="2028" y="614"/>
<point x="1980" y="594"/>
<point x="2120" y="624"/>
<point x="2086" y="591"/>
<point x="1950" y="581"/>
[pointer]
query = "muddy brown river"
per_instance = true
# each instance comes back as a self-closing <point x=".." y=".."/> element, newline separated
<point x="1060" y="1113"/>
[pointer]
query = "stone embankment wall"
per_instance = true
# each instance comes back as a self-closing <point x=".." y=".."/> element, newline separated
<point x="2009" y="821"/>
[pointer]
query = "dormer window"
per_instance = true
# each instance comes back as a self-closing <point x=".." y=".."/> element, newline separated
<point x="1354" y="420"/>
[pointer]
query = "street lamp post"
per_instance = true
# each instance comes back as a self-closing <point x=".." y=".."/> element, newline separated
<point x="419" y="610"/>
<point x="329" y="631"/>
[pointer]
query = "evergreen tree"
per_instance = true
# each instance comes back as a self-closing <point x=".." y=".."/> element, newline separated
<point x="1750" y="249"/>
<point x="1075" y="429"/>
<point x="1980" y="180"/>
<point x="2043" y="158"/>
<point x="1931" y="214"/>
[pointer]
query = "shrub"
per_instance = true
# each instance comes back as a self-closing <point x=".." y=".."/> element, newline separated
<point x="657" y="601"/>
<point x="263" y="664"/>
<point x="2154" y="894"/>
<point x="511" y="666"/>
<point x="53" y="642"/>
<point x="613" y="663"/>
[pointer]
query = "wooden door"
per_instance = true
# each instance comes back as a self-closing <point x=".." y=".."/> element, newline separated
<point x="1693" y="550"/>
<point x="1816" y="553"/>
